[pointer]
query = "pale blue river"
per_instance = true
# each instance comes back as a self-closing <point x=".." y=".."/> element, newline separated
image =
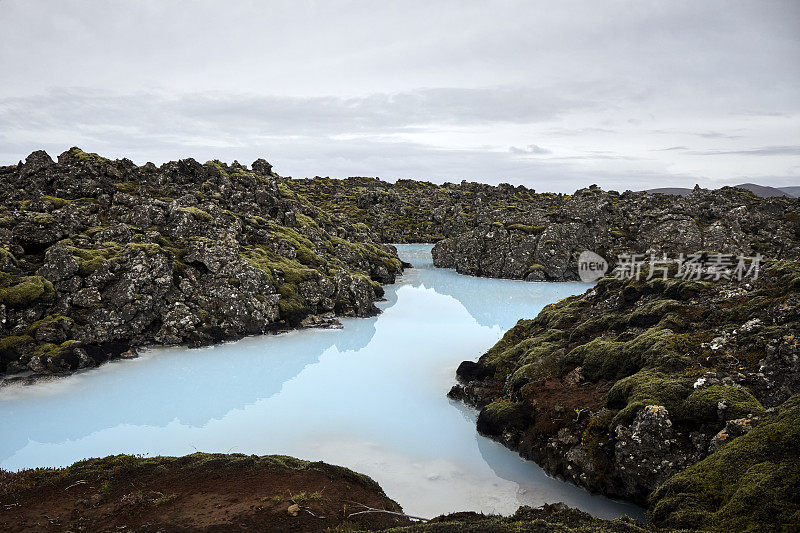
<point x="369" y="396"/>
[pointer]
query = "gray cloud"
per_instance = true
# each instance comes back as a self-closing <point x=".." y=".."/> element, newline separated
<point x="717" y="135"/>
<point x="602" y="89"/>
<point x="766" y="150"/>
<point x="531" y="149"/>
<point x="376" y="113"/>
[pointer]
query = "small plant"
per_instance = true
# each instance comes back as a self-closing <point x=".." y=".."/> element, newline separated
<point x="303" y="498"/>
<point x="106" y="488"/>
<point x="163" y="500"/>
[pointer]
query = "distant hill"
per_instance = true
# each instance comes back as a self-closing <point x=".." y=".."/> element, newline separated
<point x="763" y="191"/>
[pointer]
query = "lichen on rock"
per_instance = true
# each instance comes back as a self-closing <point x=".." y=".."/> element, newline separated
<point x="626" y="386"/>
<point x="184" y="253"/>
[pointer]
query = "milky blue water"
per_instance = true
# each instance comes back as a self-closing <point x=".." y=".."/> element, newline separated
<point x="369" y="396"/>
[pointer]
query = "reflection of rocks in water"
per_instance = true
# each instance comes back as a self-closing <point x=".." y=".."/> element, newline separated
<point x="472" y="292"/>
<point x="543" y="488"/>
<point x="255" y="368"/>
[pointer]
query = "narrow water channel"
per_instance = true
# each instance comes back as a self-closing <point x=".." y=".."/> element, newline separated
<point x="369" y="396"/>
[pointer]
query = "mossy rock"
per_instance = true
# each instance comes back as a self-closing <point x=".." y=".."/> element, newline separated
<point x="652" y="312"/>
<point x="197" y="213"/>
<point x="604" y="358"/>
<point x="501" y="416"/>
<point x="45" y="219"/>
<point x="14" y="342"/>
<point x="90" y="259"/>
<point x="7" y="257"/>
<point x="703" y="405"/>
<point x="12" y="347"/>
<point x="26" y="291"/>
<point x="57" y="203"/>
<point x="556" y="518"/>
<point x="647" y="387"/>
<point x="293" y="307"/>
<point x="51" y="328"/>
<point x="87" y="157"/>
<point x="751" y="483"/>
<point x="529" y="230"/>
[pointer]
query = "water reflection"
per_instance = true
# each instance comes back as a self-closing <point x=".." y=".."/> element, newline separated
<point x="370" y="396"/>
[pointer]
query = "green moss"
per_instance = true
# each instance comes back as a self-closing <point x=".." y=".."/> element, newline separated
<point x="49" y="327"/>
<point x="89" y="259"/>
<point x="603" y="358"/>
<point x="525" y="519"/>
<point x="538" y="360"/>
<point x="286" y="274"/>
<point x="127" y="186"/>
<point x="530" y="230"/>
<point x="44" y="218"/>
<point x="535" y="267"/>
<point x="590" y="327"/>
<point x="703" y="404"/>
<point x="285" y="191"/>
<point x="507" y="349"/>
<point x="647" y="387"/>
<point x="305" y="248"/>
<point x="26" y="291"/>
<point x="14" y="342"/>
<point x="302" y="498"/>
<point x="305" y="221"/>
<point x="90" y="157"/>
<point x="293" y="307"/>
<point x="56" y="202"/>
<point x="500" y="416"/>
<point x="126" y="466"/>
<point x="749" y="484"/>
<point x="594" y="436"/>
<point x="561" y="315"/>
<point x="197" y="213"/>
<point x="652" y="312"/>
<point x="6" y="256"/>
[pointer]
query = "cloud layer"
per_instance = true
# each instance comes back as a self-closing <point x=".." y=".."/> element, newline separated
<point x="626" y="95"/>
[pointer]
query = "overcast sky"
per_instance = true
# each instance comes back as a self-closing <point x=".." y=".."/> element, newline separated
<point x="552" y="95"/>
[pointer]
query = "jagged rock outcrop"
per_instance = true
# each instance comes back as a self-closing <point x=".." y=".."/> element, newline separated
<point x="750" y="484"/>
<point x="631" y="383"/>
<point x="544" y="245"/>
<point x="98" y="256"/>
<point x="513" y="232"/>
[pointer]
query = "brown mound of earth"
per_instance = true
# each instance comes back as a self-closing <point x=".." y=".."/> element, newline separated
<point x="198" y="492"/>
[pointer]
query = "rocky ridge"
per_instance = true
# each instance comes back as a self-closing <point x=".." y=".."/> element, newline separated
<point x="513" y="232"/>
<point x="625" y="387"/>
<point x="100" y="256"/>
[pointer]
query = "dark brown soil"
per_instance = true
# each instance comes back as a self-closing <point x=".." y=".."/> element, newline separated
<point x="204" y="493"/>
<point x="557" y="402"/>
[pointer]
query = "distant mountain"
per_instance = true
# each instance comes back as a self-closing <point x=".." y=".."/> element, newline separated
<point x="763" y="191"/>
